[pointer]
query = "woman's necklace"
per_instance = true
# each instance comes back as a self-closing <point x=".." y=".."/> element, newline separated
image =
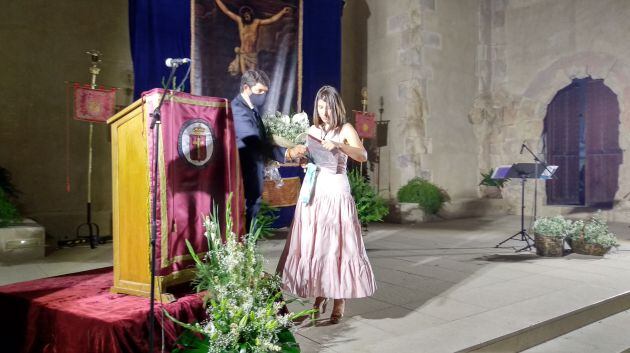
<point x="324" y="133"/>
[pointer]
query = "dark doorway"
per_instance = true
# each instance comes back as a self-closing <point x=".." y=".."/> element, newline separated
<point x="582" y="139"/>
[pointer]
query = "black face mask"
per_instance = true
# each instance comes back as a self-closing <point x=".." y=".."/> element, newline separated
<point x="258" y="100"/>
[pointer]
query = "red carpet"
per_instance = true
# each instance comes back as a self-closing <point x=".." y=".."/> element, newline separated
<point x="76" y="313"/>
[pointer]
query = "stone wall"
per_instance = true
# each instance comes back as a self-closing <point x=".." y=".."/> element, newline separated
<point x="44" y="45"/>
<point x="421" y="60"/>
<point x="532" y="50"/>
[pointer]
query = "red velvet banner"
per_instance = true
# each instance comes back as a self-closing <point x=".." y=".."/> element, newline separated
<point x="94" y="104"/>
<point x="199" y="167"/>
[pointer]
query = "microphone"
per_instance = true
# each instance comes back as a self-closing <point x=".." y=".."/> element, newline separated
<point x="170" y="62"/>
<point x="522" y="147"/>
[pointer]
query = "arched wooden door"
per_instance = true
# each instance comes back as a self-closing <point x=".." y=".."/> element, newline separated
<point x="582" y="138"/>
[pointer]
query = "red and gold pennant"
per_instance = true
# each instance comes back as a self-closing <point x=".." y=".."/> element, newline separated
<point x="365" y="123"/>
<point x="94" y="104"/>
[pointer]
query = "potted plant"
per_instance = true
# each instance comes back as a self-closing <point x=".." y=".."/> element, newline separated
<point x="9" y="214"/>
<point x="549" y="235"/>
<point x="370" y="206"/>
<point x="594" y="237"/>
<point x="491" y="188"/>
<point x="420" y="195"/>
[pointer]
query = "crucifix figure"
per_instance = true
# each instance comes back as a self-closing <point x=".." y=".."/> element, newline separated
<point x="248" y="26"/>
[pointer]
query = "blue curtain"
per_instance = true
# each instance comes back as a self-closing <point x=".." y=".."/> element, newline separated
<point x="321" y="50"/>
<point x="160" y="29"/>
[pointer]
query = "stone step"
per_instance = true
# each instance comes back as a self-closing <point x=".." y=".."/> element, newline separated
<point x="607" y="335"/>
<point x="539" y="333"/>
<point x="454" y="209"/>
<point x="467" y="208"/>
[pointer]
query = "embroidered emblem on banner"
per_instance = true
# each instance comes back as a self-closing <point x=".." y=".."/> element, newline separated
<point x="196" y="142"/>
<point x="94" y="104"/>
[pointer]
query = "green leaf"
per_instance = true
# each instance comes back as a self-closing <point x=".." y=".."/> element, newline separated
<point x="302" y="313"/>
<point x="188" y="342"/>
<point x="287" y="342"/>
<point x="183" y="324"/>
<point x="193" y="254"/>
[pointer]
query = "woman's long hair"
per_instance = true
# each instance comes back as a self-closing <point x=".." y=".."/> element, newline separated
<point x="334" y="104"/>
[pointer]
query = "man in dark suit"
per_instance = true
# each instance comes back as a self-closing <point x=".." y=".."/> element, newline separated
<point x="254" y="146"/>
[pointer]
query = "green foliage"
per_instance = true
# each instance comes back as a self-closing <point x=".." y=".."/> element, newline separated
<point x="424" y="193"/>
<point x="8" y="212"/>
<point x="8" y="193"/>
<point x="191" y="342"/>
<point x="554" y="227"/>
<point x="242" y="302"/>
<point x="370" y="206"/>
<point x="265" y="218"/>
<point x="7" y="185"/>
<point x="595" y="231"/>
<point x="488" y="181"/>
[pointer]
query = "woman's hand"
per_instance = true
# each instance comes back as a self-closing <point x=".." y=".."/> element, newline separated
<point x="330" y="145"/>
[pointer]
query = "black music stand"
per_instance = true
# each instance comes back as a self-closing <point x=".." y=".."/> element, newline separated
<point x="522" y="171"/>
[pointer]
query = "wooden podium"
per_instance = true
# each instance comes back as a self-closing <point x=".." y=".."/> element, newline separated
<point x="131" y="205"/>
<point x="132" y="177"/>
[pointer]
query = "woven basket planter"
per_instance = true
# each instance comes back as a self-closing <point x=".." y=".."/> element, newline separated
<point x="581" y="247"/>
<point x="548" y="246"/>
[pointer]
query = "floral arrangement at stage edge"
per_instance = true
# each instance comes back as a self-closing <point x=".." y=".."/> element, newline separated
<point x="593" y="237"/>
<point x="243" y="303"/>
<point x="550" y="233"/>
<point x="287" y="131"/>
<point x="553" y="227"/>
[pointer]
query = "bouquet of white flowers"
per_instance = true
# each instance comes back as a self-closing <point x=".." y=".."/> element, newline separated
<point x="286" y="131"/>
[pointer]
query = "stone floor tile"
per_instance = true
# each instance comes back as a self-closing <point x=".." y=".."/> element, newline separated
<point x="446" y="309"/>
<point x="398" y="320"/>
<point x="397" y="295"/>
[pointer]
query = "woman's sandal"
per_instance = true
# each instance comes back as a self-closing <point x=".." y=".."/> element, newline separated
<point x="319" y="301"/>
<point x="337" y="312"/>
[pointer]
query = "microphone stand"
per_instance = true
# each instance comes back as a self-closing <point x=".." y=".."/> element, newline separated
<point x="157" y="117"/>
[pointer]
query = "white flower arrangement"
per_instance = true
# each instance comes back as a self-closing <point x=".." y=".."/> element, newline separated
<point x="287" y="131"/>
<point x="243" y="304"/>
<point x="555" y="227"/>
<point x="595" y="231"/>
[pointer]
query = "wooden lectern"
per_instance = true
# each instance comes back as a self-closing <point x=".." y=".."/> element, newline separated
<point x="131" y="203"/>
<point x="190" y="180"/>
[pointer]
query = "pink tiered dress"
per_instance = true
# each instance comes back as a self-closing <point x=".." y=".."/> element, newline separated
<point x="324" y="255"/>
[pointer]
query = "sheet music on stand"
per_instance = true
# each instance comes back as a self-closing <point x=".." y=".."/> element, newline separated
<point x="318" y="154"/>
<point x="545" y="172"/>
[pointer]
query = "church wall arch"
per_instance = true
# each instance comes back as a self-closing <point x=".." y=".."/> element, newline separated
<point x="529" y="110"/>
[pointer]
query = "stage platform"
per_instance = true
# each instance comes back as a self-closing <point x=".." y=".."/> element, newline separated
<point x="443" y="287"/>
<point x="76" y="313"/>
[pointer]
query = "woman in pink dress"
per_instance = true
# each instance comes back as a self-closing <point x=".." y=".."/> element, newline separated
<point x="324" y="256"/>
